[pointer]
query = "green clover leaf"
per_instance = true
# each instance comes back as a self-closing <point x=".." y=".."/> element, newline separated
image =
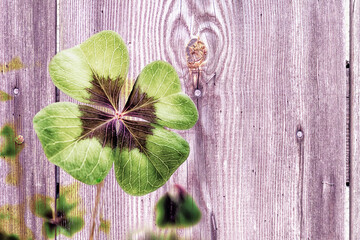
<point x="85" y="142"/>
<point x="177" y="209"/>
<point x="9" y="148"/>
<point x="4" y="97"/>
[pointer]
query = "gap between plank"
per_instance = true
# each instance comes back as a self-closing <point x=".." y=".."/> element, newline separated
<point x="348" y="116"/>
<point x="57" y="99"/>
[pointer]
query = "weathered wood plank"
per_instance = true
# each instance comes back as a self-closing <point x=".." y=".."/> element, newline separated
<point x="280" y="68"/>
<point x="144" y="33"/>
<point x="354" y="120"/>
<point x="272" y="70"/>
<point x="298" y="53"/>
<point x="27" y="42"/>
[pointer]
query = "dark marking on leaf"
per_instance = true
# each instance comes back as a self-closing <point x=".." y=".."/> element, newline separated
<point x="64" y="223"/>
<point x="5" y="236"/>
<point x="133" y="134"/>
<point x="12" y="237"/>
<point x="103" y="126"/>
<point x="140" y="105"/>
<point x="60" y="214"/>
<point x="105" y="91"/>
<point x="52" y="226"/>
<point x="98" y="124"/>
<point x="48" y="214"/>
<point x="171" y="210"/>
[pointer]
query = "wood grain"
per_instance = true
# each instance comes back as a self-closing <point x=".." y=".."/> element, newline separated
<point x="278" y="70"/>
<point x="354" y="120"/>
<point x="272" y="70"/>
<point x="27" y="34"/>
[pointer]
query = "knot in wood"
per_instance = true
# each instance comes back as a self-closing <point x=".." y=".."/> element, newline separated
<point x="196" y="52"/>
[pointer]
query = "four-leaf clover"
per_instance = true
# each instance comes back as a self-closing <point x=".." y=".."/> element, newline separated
<point x="85" y="141"/>
<point x="177" y="209"/>
<point x="64" y="221"/>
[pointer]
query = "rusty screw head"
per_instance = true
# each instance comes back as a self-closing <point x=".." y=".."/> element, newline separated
<point x="19" y="139"/>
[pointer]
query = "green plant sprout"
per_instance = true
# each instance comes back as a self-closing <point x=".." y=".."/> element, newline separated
<point x="9" y="147"/>
<point x="67" y="220"/>
<point x="176" y="209"/>
<point x="85" y="141"/>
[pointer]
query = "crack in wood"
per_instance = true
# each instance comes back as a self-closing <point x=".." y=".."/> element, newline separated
<point x="348" y="107"/>
<point x="213" y="226"/>
<point x="300" y="140"/>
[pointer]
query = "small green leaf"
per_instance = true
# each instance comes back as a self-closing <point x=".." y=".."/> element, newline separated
<point x="43" y="208"/>
<point x="71" y="226"/>
<point x="49" y="229"/>
<point x="63" y="206"/>
<point x="67" y="220"/>
<point x="9" y="148"/>
<point x="86" y="142"/>
<point x="177" y="210"/>
<point x="4" y="96"/>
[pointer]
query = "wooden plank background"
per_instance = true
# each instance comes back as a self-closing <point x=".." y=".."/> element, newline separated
<point x="268" y="153"/>
<point x="354" y="120"/>
<point x="27" y="43"/>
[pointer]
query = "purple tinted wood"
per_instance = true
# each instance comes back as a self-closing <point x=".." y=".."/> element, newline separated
<point x="27" y="42"/>
<point x="273" y="72"/>
<point x="355" y="120"/>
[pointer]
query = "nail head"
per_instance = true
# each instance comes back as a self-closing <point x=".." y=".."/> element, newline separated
<point x="299" y="134"/>
<point x="197" y="93"/>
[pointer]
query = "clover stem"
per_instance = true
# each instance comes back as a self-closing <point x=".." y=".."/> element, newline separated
<point x="97" y="200"/>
